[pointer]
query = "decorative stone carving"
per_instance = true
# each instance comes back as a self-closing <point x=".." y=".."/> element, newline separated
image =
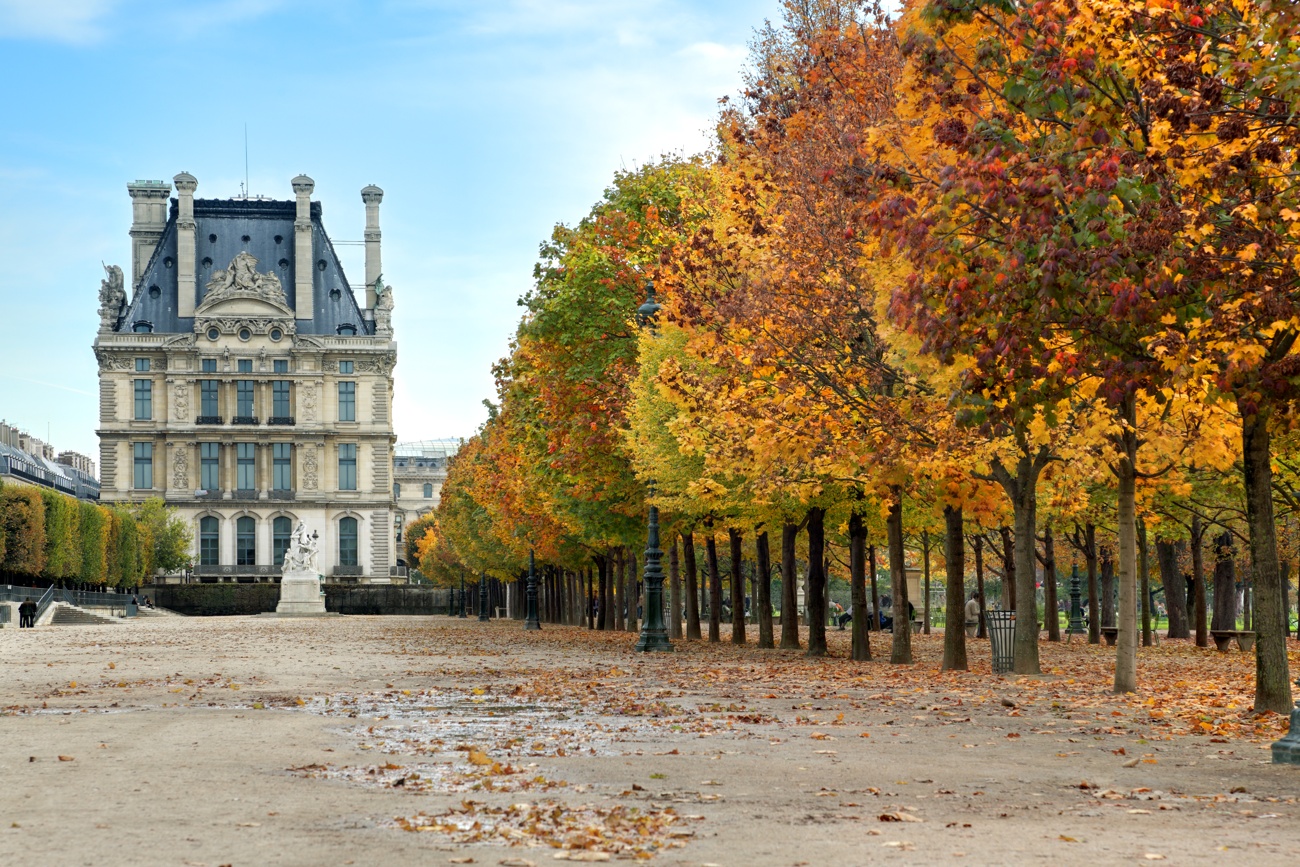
<point x="381" y="363"/>
<point x="309" y="401"/>
<point x="309" y="469"/>
<point x="112" y="297"/>
<point x="234" y="324"/>
<point x="242" y="280"/>
<point x="181" y="400"/>
<point x="181" y="467"/>
<point x="383" y="310"/>
<point x="108" y="361"/>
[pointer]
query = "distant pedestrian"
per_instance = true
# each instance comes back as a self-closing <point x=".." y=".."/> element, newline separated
<point x="27" y="614"/>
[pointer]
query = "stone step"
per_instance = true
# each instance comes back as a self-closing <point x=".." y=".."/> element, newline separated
<point x="71" y="615"/>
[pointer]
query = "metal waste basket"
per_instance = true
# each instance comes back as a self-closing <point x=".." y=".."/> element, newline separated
<point x="1002" y="638"/>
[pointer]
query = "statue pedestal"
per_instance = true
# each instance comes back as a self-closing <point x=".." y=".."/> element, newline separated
<point x="301" y="595"/>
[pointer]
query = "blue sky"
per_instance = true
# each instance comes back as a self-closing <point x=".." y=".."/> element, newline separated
<point x="485" y="123"/>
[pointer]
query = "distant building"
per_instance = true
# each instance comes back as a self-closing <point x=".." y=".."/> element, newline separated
<point x="419" y="470"/>
<point x="246" y="383"/>
<point x="26" y="460"/>
<point x="77" y="461"/>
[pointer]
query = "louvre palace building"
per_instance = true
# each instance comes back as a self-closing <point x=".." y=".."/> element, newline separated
<point x="245" y="382"/>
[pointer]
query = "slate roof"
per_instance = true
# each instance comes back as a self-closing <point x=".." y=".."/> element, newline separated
<point x="264" y="228"/>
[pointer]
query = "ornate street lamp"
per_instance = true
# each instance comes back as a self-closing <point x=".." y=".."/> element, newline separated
<point x="1287" y="750"/>
<point x="483" y="598"/>
<point x="462" y="592"/>
<point x="654" y="632"/>
<point x="530" y="619"/>
<point x="1076" y="626"/>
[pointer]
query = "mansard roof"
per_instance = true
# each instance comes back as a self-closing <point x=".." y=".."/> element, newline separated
<point x="264" y="229"/>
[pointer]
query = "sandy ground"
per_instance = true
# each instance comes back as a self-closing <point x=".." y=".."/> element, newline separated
<point x="247" y="741"/>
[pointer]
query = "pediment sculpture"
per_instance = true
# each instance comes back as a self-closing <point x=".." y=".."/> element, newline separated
<point x="242" y="280"/>
<point x="112" y="296"/>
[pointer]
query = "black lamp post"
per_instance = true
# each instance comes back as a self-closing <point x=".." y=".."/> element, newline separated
<point x="1076" y="626"/>
<point x="530" y="619"/>
<point x="483" y="598"/>
<point x="654" y="632"/>
<point x="462" y="592"/>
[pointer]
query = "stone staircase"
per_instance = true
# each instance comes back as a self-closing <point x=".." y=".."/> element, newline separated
<point x="70" y="615"/>
<point x="157" y="612"/>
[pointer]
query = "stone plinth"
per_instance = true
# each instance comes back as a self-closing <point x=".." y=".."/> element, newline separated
<point x="301" y="595"/>
<point x="1287" y="750"/>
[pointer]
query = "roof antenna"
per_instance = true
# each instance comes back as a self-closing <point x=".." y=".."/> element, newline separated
<point x="247" y="190"/>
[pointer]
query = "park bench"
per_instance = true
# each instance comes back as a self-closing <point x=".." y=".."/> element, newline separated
<point x="1111" y="634"/>
<point x="1223" y="637"/>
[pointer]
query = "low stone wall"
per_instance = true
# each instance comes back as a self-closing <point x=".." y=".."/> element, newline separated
<point x="206" y="600"/>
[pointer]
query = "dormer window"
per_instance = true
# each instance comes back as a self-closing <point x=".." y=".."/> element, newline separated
<point x="347" y="329"/>
<point x="142" y="326"/>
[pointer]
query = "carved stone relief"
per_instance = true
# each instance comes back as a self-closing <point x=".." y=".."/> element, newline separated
<point x="382" y="363"/>
<point x="181" y="400"/>
<point x="310" y="469"/>
<point x="181" y="466"/>
<point x="111" y="298"/>
<point x="309" y="401"/>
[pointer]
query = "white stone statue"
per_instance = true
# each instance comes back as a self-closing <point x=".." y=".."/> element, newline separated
<point x="111" y="298"/>
<point x="303" y="547"/>
<point x="301" y="594"/>
<point x="242" y="278"/>
<point x="383" y="309"/>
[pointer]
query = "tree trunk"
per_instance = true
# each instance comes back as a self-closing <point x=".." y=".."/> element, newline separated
<point x="789" y="588"/>
<point x="1051" y="610"/>
<point x="1022" y="489"/>
<point x="734" y="540"/>
<point x="982" y="630"/>
<point x="1272" y="681"/>
<point x="603" y="620"/>
<point x="715" y="588"/>
<point x="858" y="587"/>
<point x="674" y="593"/>
<point x="619" y="582"/>
<point x="1175" y="589"/>
<point x="816" y="582"/>
<point x="1008" y="568"/>
<point x="633" y="596"/>
<point x="1126" y="490"/>
<point x="875" y="590"/>
<point x="763" y="589"/>
<point x="900" y="653"/>
<point x="1225" y="584"/>
<point x="1144" y="576"/>
<point x="954" y="557"/>
<point x="1107" y="587"/>
<point x="1198" y="583"/>
<point x="925" y="581"/>
<point x="692" y="588"/>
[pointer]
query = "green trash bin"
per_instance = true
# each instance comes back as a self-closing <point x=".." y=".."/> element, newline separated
<point x="1002" y="639"/>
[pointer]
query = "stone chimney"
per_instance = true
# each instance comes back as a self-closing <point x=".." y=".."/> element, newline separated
<point x="186" y="282"/>
<point x="372" y="196"/>
<point x="303" y="266"/>
<point x="148" y="219"/>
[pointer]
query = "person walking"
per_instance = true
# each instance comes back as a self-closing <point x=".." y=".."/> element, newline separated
<point x="27" y="614"/>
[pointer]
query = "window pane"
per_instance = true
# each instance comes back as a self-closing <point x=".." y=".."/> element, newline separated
<point x="348" y="467"/>
<point x="280" y="530"/>
<point x="143" y="399"/>
<point x="347" y="401"/>
<point x="244" y="397"/>
<point x="246" y="457"/>
<point x="143" y="466"/>
<point x="345" y="367"/>
<point x="280" y="398"/>
<point x="282" y="459"/>
<point x="245" y="542"/>
<point x="209" y="365"/>
<point x="142" y="364"/>
<point x="428" y="490"/>
<point x="208" y="397"/>
<point x="245" y="365"/>
<point x="281" y="365"/>
<point x="209" y="542"/>
<point x="348" y="542"/>
<point x="210" y="466"/>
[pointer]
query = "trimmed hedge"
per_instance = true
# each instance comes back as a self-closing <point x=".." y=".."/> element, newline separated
<point x="215" y="600"/>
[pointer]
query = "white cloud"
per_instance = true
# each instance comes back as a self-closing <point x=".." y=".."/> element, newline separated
<point x="73" y="21"/>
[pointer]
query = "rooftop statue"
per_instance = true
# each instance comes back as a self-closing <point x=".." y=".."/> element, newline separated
<point x="242" y="279"/>
<point x="112" y="296"/>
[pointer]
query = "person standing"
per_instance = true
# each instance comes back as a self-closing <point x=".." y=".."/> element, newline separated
<point x="27" y="614"/>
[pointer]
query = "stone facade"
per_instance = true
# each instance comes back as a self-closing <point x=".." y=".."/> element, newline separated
<point x="244" y="384"/>
<point x="419" y="471"/>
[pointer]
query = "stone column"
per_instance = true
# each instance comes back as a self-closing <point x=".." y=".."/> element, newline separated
<point x="186" y="283"/>
<point x="303" y="264"/>
<point x="372" y="196"/>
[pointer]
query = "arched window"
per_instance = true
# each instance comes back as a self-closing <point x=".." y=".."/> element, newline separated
<point x="245" y="542"/>
<point x="348" y="542"/>
<point x="428" y="491"/>
<point x="397" y="491"/>
<point x="209" y="541"/>
<point x="281" y="527"/>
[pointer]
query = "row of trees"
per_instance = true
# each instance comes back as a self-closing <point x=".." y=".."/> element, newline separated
<point x="45" y="534"/>
<point x="1027" y="268"/>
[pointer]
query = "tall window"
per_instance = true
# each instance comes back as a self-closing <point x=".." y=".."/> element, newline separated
<point x="209" y="541"/>
<point x="245" y="365"/>
<point x="397" y="491"/>
<point x="347" y="401"/>
<point x="348" y="542"/>
<point x="209" y="366"/>
<point x="282" y="464"/>
<point x="428" y="491"/>
<point x="245" y="542"/>
<point x="144" y="466"/>
<point x="280" y="529"/>
<point x="210" y="466"/>
<point x="143" y="399"/>
<point x="280" y="398"/>
<point x="244" y="397"/>
<point x="280" y="365"/>
<point x="347" y="466"/>
<point x="246" y="466"/>
<point x="208" y="391"/>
